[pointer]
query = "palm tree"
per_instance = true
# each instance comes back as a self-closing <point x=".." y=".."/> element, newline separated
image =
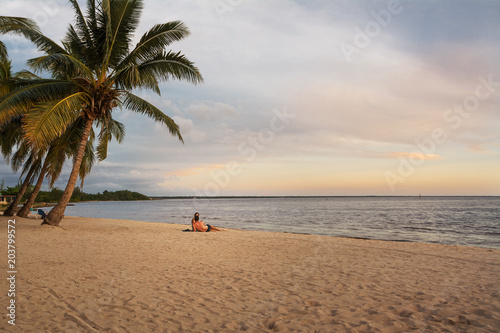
<point x="31" y="166"/>
<point x="11" y="134"/>
<point x="94" y="72"/>
<point x="63" y="147"/>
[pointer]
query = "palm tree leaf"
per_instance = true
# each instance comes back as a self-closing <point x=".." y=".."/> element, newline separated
<point x="109" y="128"/>
<point x="172" y="66"/>
<point x="69" y="140"/>
<point x="17" y="81"/>
<point x="3" y="51"/>
<point x="92" y="17"/>
<point x="117" y="130"/>
<point x="22" y="154"/>
<point x="162" y="67"/>
<point x="122" y="19"/>
<point x="137" y="104"/>
<point x="30" y="30"/>
<point x="26" y="75"/>
<point x="73" y="43"/>
<point x="19" y="101"/>
<point x="155" y="41"/>
<point x="104" y="137"/>
<point x="5" y="70"/>
<point x="88" y="161"/>
<point x="67" y="145"/>
<point x="33" y="165"/>
<point x="45" y="122"/>
<point x="131" y="78"/>
<point x="102" y="146"/>
<point x="81" y="24"/>
<point x="31" y="168"/>
<point x="58" y="63"/>
<point x="10" y="136"/>
<point x="56" y="158"/>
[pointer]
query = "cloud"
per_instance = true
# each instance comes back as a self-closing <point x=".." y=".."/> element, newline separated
<point x="211" y="111"/>
<point x="258" y="56"/>
<point x="413" y="156"/>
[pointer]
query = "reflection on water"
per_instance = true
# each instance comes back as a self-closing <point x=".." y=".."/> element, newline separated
<point x="473" y="221"/>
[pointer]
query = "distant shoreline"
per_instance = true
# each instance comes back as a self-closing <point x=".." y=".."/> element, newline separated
<point x="319" y="196"/>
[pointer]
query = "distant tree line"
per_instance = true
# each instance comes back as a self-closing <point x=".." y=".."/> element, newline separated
<point x="78" y="195"/>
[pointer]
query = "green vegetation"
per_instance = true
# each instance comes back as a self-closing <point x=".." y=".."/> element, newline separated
<point x="94" y="72"/>
<point x="78" y="195"/>
<point x="124" y="195"/>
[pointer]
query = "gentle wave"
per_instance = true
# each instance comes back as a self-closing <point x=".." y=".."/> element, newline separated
<point x="471" y="221"/>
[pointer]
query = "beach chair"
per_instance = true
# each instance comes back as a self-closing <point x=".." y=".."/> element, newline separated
<point x="42" y="214"/>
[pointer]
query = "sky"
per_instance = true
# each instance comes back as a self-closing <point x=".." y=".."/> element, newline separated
<point x="308" y="98"/>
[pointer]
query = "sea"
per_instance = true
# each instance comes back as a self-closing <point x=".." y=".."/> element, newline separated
<point x="469" y="221"/>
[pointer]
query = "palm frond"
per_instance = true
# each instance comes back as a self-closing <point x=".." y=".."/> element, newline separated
<point x="92" y="17"/>
<point x="73" y="43"/>
<point x="110" y="128"/>
<point x="55" y="164"/>
<point x="65" y="145"/>
<point x="155" y="41"/>
<point x="122" y="19"/>
<point x="61" y="63"/>
<point x="102" y="146"/>
<point x="3" y="51"/>
<point x="5" y="65"/>
<point x="30" y="30"/>
<point x="19" y="101"/>
<point x="131" y="78"/>
<point x="23" y="154"/>
<point x="81" y="23"/>
<point x="172" y="66"/>
<point x="33" y="165"/>
<point x="88" y="161"/>
<point x="10" y="136"/>
<point x="5" y="70"/>
<point x="117" y="130"/>
<point x="45" y="122"/>
<point x="26" y="75"/>
<point x="17" y="81"/>
<point x="69" y="140"/>
<point x="137" y="104"/>
<point x="31" y="168"/>
<point x="162" y="67"/>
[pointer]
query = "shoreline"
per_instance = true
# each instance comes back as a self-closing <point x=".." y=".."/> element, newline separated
<point x="304" y="233"/>
<point x="114" y="275"/>
<point x="344" y="217"/>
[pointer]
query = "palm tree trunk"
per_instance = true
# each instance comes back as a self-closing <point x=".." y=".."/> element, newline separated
<point x="23" y="212"/>
<point x="56" y="214"/>
<point x="11" y="210"/>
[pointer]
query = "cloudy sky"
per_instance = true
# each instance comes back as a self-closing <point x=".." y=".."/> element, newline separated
<point x="310" y="98"/>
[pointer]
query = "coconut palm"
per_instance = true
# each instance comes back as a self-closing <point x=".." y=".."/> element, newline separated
<point x="66" y="146"/>
<point x="11" y="136"/>
<point x="95" y="71"/>
<point x="31" y="166"/>
<point x="10" y="132"/>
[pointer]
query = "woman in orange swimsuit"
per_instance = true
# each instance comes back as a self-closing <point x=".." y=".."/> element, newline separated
<point x="198" y="224"/>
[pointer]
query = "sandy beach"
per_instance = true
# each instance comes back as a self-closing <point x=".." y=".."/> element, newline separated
<point x="101" y="275"/>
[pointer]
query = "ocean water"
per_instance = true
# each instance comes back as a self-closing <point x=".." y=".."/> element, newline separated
<point x="470" y="221"/>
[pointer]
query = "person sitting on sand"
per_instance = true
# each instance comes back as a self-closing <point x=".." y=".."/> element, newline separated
<point x="198" y="224"/>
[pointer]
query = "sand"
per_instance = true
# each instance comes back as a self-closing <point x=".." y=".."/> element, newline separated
<point x="101" y="275"/>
